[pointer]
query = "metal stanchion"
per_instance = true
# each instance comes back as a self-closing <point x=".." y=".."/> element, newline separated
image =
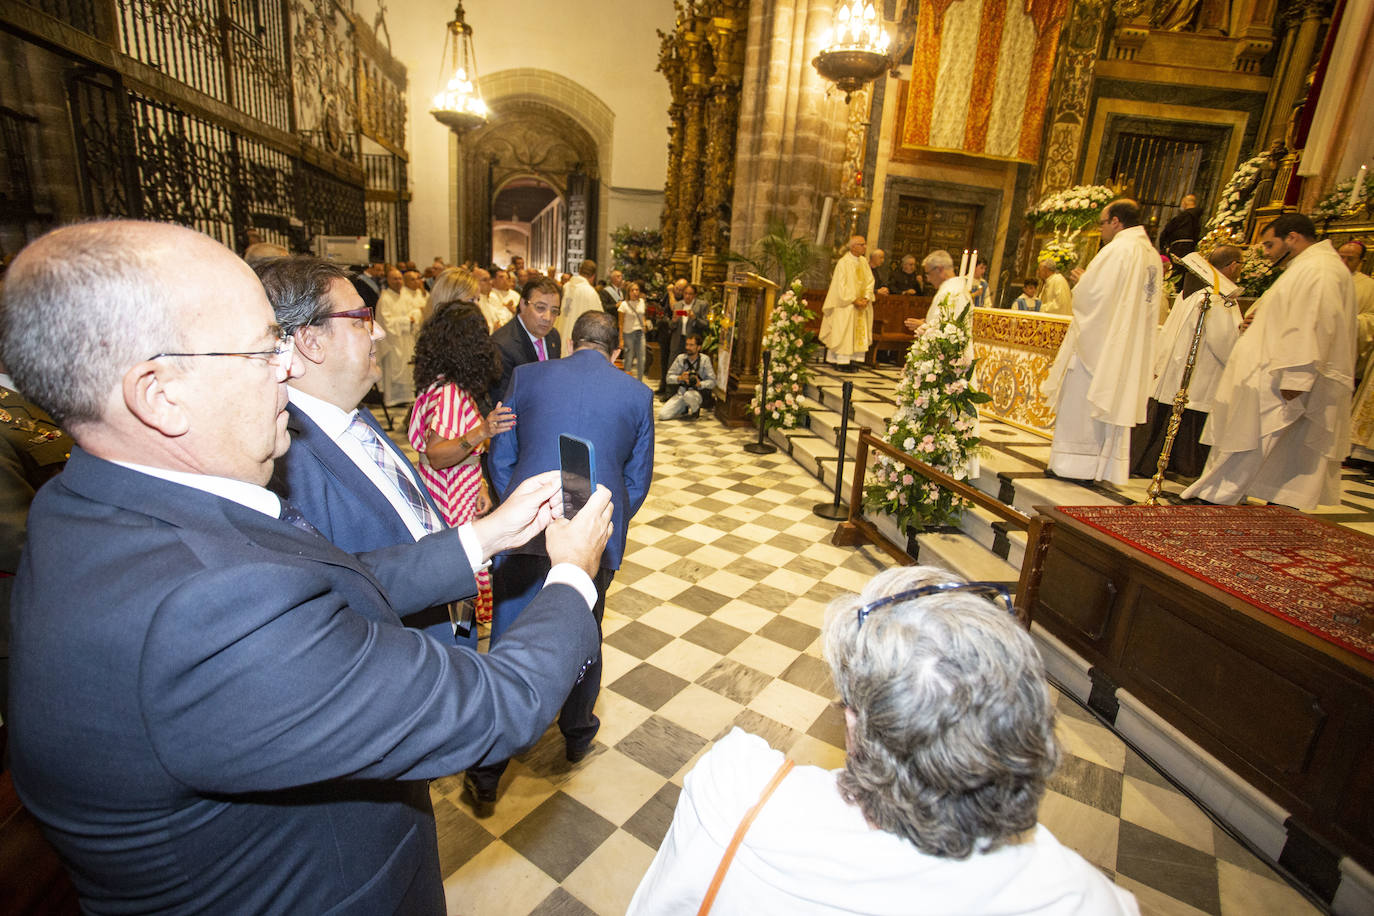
<point x="761" y="447"/>
<point x="834" y="511"/>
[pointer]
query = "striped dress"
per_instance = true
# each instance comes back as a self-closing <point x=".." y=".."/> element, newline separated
<point x="450" y="412"/>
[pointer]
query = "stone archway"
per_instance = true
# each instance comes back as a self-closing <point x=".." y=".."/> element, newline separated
<point x="542" y="126"/>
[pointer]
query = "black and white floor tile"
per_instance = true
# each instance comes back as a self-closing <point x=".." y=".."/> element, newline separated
<point x="712" y="622"/>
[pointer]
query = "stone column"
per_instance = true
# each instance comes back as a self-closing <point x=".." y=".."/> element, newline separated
<point x="792" y="123"/>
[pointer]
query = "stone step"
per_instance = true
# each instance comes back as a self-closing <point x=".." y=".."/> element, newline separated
<point x="959" y="553"/>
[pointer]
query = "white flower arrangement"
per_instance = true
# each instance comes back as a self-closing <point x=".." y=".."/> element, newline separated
<point x="1335" y="204"/>
<point x="935" y="422"/>
<point x="1237" y="198"/>
<point x="1074" y="208"/>
<point x="791" y="344"/>
<point x="1062" y="249"/>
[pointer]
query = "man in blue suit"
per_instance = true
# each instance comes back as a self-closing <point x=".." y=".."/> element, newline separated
<point x="583" y="395"/>
<point x="342" y="472"/>
<point x="213" y="708"/>
<point x="531" y="337"/>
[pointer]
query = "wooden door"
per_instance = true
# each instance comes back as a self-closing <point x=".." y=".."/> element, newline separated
<point x="924" y="224"/>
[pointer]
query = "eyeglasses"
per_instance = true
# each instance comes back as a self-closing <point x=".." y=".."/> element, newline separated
<point x="366" y="315"/>
<point x="279" y="354"/>
<point x="992" y="591"/>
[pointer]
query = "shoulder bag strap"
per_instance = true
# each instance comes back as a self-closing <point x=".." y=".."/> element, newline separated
<point x="740" y="831"/>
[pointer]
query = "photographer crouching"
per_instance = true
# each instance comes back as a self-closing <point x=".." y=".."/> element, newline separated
<point x="695" y="378"/>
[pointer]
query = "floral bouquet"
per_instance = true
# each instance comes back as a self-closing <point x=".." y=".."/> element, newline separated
<point x="718" y="328"/>
<point x="1062" y="250"/>
<point x="1074" y="208"/>
<point x="1233" y="207"/>
<point x="1257" y="273"/>
<point x="1333" y="205"/>
<point x="787" y="339"/>
<point x="936" y="422"/>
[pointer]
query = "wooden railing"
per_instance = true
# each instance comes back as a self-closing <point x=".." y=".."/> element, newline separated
<point x="856" y="529"/>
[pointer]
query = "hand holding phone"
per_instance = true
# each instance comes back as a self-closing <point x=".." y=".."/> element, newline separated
<point x="576" y="461"/>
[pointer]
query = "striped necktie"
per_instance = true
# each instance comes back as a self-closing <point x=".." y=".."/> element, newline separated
<point x="395" y="471"/>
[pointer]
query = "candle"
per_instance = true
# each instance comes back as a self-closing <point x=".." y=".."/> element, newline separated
<point x="1356" y="189"/>
<point x="972" y="263"/>
<point x="963" y="263"/>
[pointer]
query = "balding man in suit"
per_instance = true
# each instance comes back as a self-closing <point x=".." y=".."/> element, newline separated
<point x="212" y="706"/>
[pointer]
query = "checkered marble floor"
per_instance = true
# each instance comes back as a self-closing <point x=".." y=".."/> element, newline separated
<point x="713" y="622"/>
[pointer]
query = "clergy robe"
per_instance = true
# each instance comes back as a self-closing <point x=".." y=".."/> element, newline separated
<point x="399" y="315"/>
<point x="1302" y="339"/>
<point x="1364" y="308"/>
<point x="579" y="297"/>
<point x="1101" y="376"/>
<point x="1055" y="296"/>
<point x="1219" y="335"/>
<point x="1362" y="416"/>
<point x="494" y="310"/>
<point x="847" y="331"/>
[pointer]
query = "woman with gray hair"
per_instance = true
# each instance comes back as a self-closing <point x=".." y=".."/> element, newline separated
<point x="950" y="734"/>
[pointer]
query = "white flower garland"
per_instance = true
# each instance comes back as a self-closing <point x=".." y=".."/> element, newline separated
<point x="787" y="339"/>
<point x="936" y="422"/>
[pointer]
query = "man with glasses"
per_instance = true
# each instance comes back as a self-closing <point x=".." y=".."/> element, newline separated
<point x="342" y="472"/>
<point x="212" y="705"/>
<point x="531" y="337"/>
<point x="1100" y="380"/>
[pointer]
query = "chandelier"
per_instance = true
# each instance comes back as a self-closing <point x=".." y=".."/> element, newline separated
<point x="458" y="104"/>
<point x="856" y="52"/>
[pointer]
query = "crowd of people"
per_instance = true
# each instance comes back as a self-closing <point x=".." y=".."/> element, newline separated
<point x="285" y="648"/>
<point x="1271" y="398"/>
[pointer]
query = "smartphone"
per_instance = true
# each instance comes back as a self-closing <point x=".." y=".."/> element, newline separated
<point x="576" y="461"/>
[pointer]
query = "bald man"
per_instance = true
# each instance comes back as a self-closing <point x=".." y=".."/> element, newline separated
<point x="847" y="316"/>
<point x="213" y="707"/>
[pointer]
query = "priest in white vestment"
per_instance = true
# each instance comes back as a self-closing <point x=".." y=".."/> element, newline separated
<point x="1280" y="422"/>
<point x="579" y="297"/>
<point x="1220" y="332"/>
<point x="399" y="314"/>
<point x="1352" y="253"/>
<point x="1055" y="296"/>
<point x="1102" y="374"/>
<point x="953" y="298"/>
<point x="847" y="316"/>
<point x="493" y="309"/>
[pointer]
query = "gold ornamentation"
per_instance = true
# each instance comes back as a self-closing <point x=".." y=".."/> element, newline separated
<point x="1015" y="352"/>
<point x="703" y="61"/>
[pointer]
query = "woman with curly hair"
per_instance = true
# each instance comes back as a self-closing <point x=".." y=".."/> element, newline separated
<point x="455" y="367"/>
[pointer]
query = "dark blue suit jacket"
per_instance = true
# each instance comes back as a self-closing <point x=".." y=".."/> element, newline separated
<point x="514" y="346"/>
<point x="345" y="505"/>
<point x="215" y="711"/>
<point x="582" y="395"/>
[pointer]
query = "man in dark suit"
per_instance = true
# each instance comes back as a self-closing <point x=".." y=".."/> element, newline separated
<point x="212" y="706"/>
<point x="586" y="396"/>
<point x="369" y="284"/>
<point x="531" y="337"/>
<point x="342" y="472"/>
<point x="690" y="318"/>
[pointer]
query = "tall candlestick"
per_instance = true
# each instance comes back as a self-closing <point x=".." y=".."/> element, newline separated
<point x="1356" y="189"/>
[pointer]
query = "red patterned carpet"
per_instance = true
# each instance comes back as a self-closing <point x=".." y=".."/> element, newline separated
<point x="1317" y="576"/>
